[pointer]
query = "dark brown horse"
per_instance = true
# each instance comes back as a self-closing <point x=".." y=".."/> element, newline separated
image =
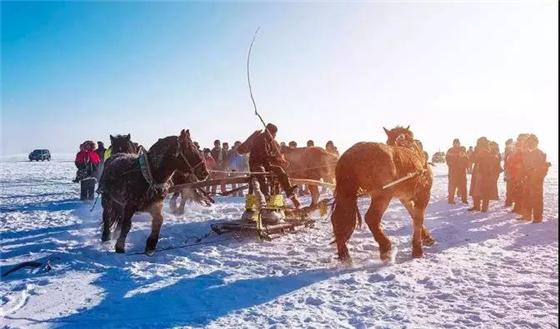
<point x="311" y="163"/>
<point x="140" y="183"/>
<point x="369" y="167"/>
<point x="122" y="144"/>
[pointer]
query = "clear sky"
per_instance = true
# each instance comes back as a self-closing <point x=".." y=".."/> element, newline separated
<point x="83" y="70"/>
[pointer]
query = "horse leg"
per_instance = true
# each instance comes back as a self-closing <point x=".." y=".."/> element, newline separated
<point x="427" y="238"/>
<point x="157" y="221"/>
<point x="420" y="205"/>
<point x="344" y="221"/>
<point x="314" y="189"/>
<point x="106" y="235"/>
<point x="373" y="220"/>
<point x="184" y="198"/>
<point x="173" y="202"/>
<point x="125" y="228"/>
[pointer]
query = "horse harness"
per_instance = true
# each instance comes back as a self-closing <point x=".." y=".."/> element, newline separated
<point x="159" y="188"/>
<point x="403" y="141"/>
<point x="154" y="188"/>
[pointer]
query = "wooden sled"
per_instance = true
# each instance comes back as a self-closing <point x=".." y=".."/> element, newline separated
<point x="266" y="232"/>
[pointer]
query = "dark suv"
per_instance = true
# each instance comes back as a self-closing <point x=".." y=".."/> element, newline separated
<point x="40" y="155"/>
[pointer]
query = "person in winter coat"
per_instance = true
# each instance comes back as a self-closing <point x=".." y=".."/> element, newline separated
<point x="237" y="163"/>
<point x="470" y="155"/>
<point x="457" y="162"/>
<point x="224" y="165"/>
<point x="100" y="150"/>
<point x="484" y="178"/>
<point x="283" y="147"/>
<point x="87" y="161"/>
<point x="513" y="164"/>
<point x="533" y="171"/>
<point x="329" y="147"/>
<point x="209" y="162"/>
<point x="217" y="153"/>
<point x="265" y="156"/>
<point x="509" y="187"/>
<point x="496" y="167"/>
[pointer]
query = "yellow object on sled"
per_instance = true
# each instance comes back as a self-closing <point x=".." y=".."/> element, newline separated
<point x="276" y="201"/>
<point x="251" y="202"/>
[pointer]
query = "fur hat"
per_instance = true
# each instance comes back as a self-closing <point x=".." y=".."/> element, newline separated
<point x="272" y="128"/>
<point x="89" y="145"/>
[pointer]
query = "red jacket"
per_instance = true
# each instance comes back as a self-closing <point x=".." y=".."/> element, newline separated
<point x="210" y="162"/>
<point x="89" y="156"/>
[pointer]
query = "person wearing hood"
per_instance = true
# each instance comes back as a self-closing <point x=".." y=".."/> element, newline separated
<point x="87" y="162"/>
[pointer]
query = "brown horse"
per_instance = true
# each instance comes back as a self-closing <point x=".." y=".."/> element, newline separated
<point x="140" y="183"/>
<point x="311" y="163"/>
<point x="371" y="166"/>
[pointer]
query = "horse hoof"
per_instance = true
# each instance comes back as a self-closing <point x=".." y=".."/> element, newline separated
<point x="428" y="242"/>
<point x="119" y="248"/>
<point x="149" y="252"/>
<point x="150" y="246"/>
<point x="417" y="253"/>
<point x="385" y="256"/>
<point x="345" y="258"/>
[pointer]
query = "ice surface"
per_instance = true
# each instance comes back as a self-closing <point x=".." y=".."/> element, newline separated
<point x="486" y="270"/>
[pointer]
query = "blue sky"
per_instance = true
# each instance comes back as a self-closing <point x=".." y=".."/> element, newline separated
<point x="83" y="70"/>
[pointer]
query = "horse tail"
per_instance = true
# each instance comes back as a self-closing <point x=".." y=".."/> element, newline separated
<point x="113" y="212"/>
<point x="345" y="215"/>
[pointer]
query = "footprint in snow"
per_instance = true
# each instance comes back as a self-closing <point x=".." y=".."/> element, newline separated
<point x="380" y="278"/>
<point x="314" y="301"/>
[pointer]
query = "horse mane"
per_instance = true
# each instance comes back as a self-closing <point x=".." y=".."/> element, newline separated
<point x="122" y="144"/>
<point x="163" y="148"/>
<point x="394" y="133"/>
<point x="407" y="158"/>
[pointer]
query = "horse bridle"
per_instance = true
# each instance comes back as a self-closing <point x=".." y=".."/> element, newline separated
<point x="191" y="167"/>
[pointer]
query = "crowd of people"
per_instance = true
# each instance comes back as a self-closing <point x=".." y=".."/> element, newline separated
<point x="524" y="166"/>
<point x="221" y="161"/>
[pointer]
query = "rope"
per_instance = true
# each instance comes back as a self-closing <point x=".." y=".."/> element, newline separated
<point x="198" y="241"/>
<point x="264" y="173"/>
<point x="95" y="202"/>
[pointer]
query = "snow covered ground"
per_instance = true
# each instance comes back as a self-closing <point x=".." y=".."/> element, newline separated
<point x="486" y="270"/>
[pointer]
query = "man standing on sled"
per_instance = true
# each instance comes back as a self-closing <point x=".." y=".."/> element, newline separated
<point x="265" y="156"/>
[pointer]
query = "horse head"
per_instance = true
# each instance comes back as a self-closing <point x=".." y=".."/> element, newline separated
<point x="191" y="158"/>
<point x="122" y="144"/>
<point x="399" y="135"/>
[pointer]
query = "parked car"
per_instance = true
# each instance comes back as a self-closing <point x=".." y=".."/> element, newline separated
<point x="40" y="155"/>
